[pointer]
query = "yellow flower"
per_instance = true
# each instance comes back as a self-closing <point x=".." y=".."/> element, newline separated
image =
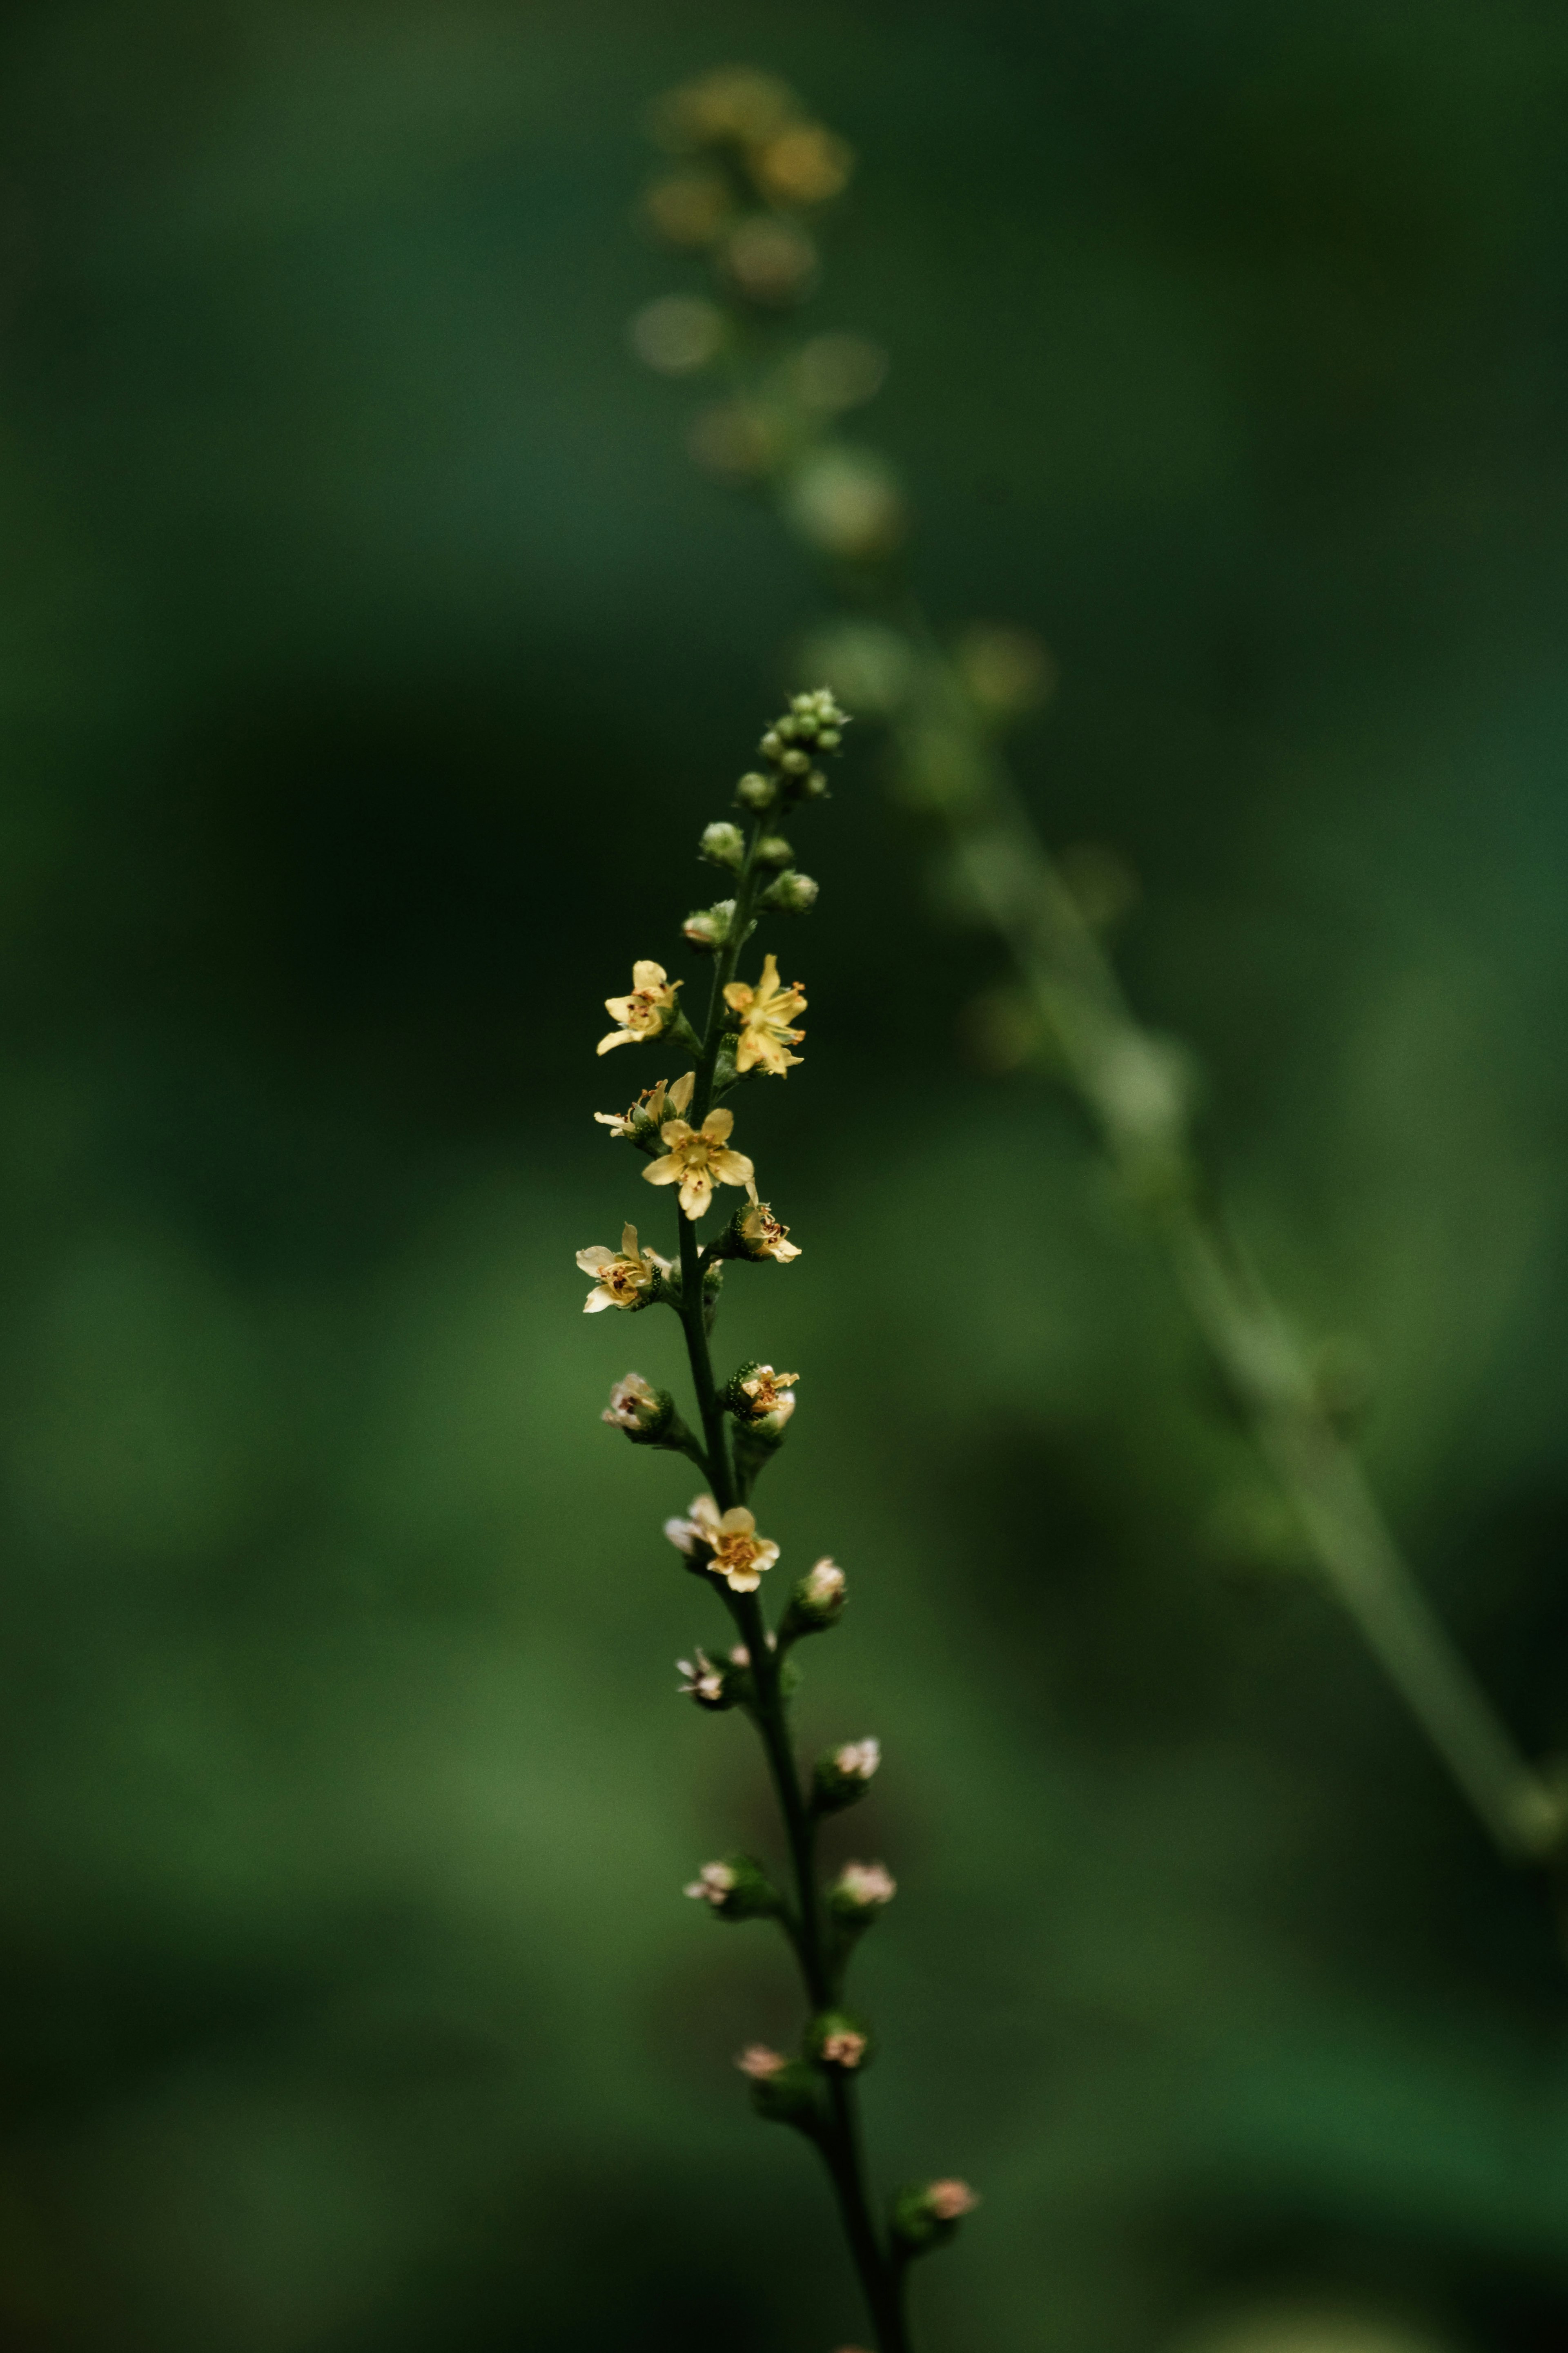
<point x="766" y="1012"/>
<point x="624" y="1278"/>
<point x="739" y="1554"/>
<point x="647" y="1011"/>
<point x="698" y="1159"/>
<point x="770" y="1392"/>
<point x="651" y="1108"/>
<point x="763" y="1234"/>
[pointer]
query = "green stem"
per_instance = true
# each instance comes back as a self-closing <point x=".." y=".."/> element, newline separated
<point x="839" y="2140"/>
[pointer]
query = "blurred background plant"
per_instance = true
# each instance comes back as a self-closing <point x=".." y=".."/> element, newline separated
<point x="360" y="605"/>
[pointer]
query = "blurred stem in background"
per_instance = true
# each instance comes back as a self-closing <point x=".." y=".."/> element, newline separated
<point x="748" y="170"/>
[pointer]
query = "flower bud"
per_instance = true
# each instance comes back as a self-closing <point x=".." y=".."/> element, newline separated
<point x="708" y="927"/>
<point x="711" y="1687"/>
<point x="646" y="1415"/>
<point x="815" y="787"/>
<point x="755" y="791"/>
<point x="792" y="894"/>
<point x="737" y="1889"/>
<point x="795" y="762"/>
<point x="927" y="2213"/>
<point x="861" y="1891"/>
<point x="836" y="2040"/>
<point x="844" y="1774"/>
<point x="816" y="1603"/>
<point x="782" y="2090"/>
<point x="722" y="844"/>
<point x="774" y="850"/>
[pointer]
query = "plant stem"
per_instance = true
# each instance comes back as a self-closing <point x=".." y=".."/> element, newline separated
<point x="839" y="2138"/>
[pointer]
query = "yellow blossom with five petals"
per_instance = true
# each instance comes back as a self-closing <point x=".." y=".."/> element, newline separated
<point x="646" y="1011"/>
<point x="739" y="1554"/>
<point x="698" y="1159"/>
<point x="766" y="1012"/>
<point x="623" y="1278"/>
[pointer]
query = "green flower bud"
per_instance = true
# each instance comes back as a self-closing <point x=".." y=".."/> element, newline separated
<point x="861" y="1892"/>
<point x="755" y="791"/>
<point x="836" y="2040"/>
<point x="708" y="927"/>
<point x="737" y="1889"/>
<point x="927" y="2213"/>
<point x="816" y="1603"/>
<point x="774" y="850"/>
<point x="784" y="2090"/>
<point x="795" y="762"/>
<point x="843" y="1776"/>
<point x="814" y="788"/>
<point x="722" y="844"/>
<point x="771" y="744"/>
<point x="792" y="894"/>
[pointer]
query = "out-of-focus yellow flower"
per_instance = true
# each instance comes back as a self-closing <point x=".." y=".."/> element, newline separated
<point x="689" y="208"/>
<point x="646" y="1011"/>
<point x="623" y="1278"/>
<point x="766" y="1012"/>
<point x="698" y="1159"/>
<point x="732" y="103"/>
<point x="804" y="163"/>
<point x="769" y="261"/>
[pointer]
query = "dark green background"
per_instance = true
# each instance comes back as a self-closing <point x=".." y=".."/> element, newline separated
<point x="369" y="659"/>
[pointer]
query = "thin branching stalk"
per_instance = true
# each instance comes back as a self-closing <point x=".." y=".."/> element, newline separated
<point x="750" y="173"/>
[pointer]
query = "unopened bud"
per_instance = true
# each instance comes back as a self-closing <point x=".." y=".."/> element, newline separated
<point x="815" y="787"/>
<point x="839" y="2040"/>
<point x="860" y="1892"/>
<point x="708" y="927"/>
<point x="792" y="894"/>
<point x="795" y="762"/>
<point x="782" y="2090"/>
<point x="926" y="2214"/>
<point x="755" y="791"/>
<point x="774" y="850"/>
<point x="737" y="1889"/>
<point x="816" y="1603"/>
<point x="844" y="1774"/>
<point x="722" y="844"/>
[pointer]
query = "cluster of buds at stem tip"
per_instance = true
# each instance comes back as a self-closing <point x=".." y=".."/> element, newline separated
<point x="724" y="1544"/>
<point x="927" y="2213"/>
<point x="736" y="1889"/>
<point x="816" y="1603"/>
<point x="811" y="729"/>
<point x="861" y="1892"/>
<point x="843" y="1776"/>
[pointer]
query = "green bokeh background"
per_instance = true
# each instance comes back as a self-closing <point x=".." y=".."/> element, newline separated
<point x="368" y="658"/>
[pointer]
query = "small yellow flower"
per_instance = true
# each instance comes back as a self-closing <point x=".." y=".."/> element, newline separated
<point x="652" y="1107"/>
<point x="770" y="1392"/>
<point x="649" y="1010"/>
<point x="766" y="1012"/>
<point x="698" y="1159"/>
<point x="739" y="1554"/>
<point x="623" y="1278"/>
<point x="763" y="1234"/>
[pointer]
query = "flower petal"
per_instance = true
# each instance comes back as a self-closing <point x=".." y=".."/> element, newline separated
<point x="629" y="1242"/>
<point x="597" y="1301"/>
<point x="662" y="1172"/>
<point x="615" y="1038"/>
<point x="679" y="1094"/>
<point x="676" y="1132"/>
<point x="731" y="1167"/>
<point x="591" y="1260"/>
<point x="738" y="1522"/>
<point x="648" y="974"/>
<point x="716" y="1125"/>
